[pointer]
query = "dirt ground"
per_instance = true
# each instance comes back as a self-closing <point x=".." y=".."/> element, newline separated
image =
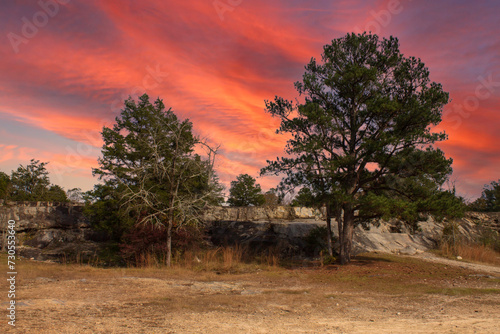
<point x="375" y="294"/>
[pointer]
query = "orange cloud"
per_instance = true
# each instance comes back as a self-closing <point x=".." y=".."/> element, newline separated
<point x="72" y="77"/>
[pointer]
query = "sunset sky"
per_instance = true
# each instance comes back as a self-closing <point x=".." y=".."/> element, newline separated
<point x="66" y="66"/>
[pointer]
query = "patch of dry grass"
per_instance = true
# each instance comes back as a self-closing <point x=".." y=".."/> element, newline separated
<point x="381" y="273"/>
<point x="229" y="259"/>
<point x="234" y="259"/>
<point x="471" y="252"/>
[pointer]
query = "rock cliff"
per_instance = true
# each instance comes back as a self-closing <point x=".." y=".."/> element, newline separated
<point x="49" y="230"/>
<point x="59" y="230"/>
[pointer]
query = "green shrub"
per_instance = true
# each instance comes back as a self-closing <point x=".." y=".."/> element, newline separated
<point x="316" y="241"/>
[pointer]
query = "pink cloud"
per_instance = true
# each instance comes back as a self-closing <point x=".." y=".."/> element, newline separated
<point x="72" y="78"/>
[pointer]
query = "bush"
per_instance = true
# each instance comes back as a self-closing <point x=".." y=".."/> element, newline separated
<point x="316" y="241"/>
<point x="451" y="235"/>
<point x="102" y="209"/>
<point x="146" y="245"/>
<point x="490" y="238"/>
<point x="327" y="259"/>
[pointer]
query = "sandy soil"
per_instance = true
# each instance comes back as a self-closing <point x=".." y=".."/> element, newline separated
<point x="365" y="297"/>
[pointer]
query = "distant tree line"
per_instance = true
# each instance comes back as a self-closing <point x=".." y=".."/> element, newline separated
<point x="32" y="183"/>
<point x="489" y="200"/>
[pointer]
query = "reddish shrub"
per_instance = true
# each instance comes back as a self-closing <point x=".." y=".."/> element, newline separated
<point x="146" y="244"/>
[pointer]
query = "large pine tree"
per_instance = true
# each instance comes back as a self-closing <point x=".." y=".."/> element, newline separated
<point x="362" y="140"/>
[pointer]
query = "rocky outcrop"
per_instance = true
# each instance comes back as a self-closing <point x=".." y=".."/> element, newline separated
<point x="54" y="231"/>
<point x="489" y="220"/>
<point x="288" y="230"/>
<point x="50" y="230"/>
<point x="283" y="238"/>
<point x="278" y="213"/>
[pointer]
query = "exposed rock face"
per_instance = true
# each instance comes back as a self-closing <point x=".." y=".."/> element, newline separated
<point x="483" y="220"/>
<point x="50" y="231"/>
<point x="285" y="229"/>
<point x="262" y="214"/>
<point x="283" y="238"/>
<point x="59" y="230"/>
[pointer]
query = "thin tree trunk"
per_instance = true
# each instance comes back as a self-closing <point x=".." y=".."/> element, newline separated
<point x="169" y="242"/>
<point x="169" y="230"/>
<point x="340" y="224"/>
<point x="329" y="230"/>
<point x="4" y="238"/>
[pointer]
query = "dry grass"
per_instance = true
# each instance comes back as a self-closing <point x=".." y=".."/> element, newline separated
<point x="232" y="259"/>
<point x="471" y="252"/>
<point x="384" y="274"/>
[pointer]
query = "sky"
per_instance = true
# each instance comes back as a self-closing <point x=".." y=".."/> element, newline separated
<point x="66" y="66"/>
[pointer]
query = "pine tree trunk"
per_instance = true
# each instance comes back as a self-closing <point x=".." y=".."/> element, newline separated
<point x="340" y="224"/>
<point x="346" y="232"/>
